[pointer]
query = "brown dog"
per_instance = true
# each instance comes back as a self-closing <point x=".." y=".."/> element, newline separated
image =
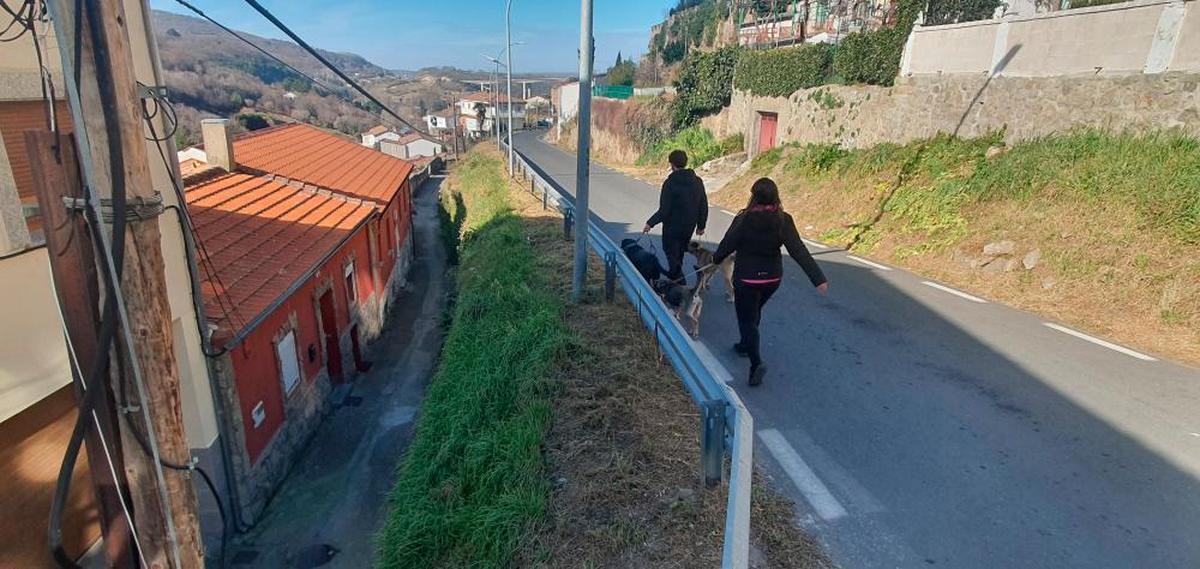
<point x="704" y="257"/>
<point x="691" y="299"/>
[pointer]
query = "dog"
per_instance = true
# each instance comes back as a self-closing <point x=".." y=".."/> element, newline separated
<point x="704" y="257"/>
<point x="644" y="261"/>
<point x="687" y="302"/>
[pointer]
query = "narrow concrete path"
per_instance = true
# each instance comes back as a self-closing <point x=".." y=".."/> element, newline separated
<point x="328" y="509"/>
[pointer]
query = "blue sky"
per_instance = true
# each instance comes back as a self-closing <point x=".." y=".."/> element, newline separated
<point x="409" y="34"/>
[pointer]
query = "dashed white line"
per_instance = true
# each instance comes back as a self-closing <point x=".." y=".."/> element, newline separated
<point x="868" y="263"/>
<point x="806" y="481"/>
<point x="814" y="244"/>
<point x="727" y="212"/>
<point x="1099" y="342"/>
<point x="957" y="293"/>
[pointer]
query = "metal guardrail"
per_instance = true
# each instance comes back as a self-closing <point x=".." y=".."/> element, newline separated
<point x="726" y="424"/>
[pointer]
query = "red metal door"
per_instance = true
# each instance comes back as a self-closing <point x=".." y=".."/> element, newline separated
<point x="766" y="131"/>
<point x="333" y="350"/>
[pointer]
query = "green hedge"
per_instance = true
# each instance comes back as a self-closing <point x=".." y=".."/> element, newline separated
<point x="870" y="57"/>
<point x="781" y="72"/>
<point x="703" y="85"/>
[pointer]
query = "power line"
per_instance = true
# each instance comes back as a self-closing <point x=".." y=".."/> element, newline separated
<point x="313" y="52"/>
<point x="247" y="41"/>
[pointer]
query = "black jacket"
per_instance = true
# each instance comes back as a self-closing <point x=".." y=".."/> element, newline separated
<point x="756" y="235"/>
<point x="682" y="206"/>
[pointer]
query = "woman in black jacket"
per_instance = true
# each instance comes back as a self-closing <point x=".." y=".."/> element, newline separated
<point x="756" y="236"/>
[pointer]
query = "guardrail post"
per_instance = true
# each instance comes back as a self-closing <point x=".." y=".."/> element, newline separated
<point x="712" y="441"/>
<point x="545" y="196"/>
<point x="568" y="222"/>
<point x="610" y="275"/>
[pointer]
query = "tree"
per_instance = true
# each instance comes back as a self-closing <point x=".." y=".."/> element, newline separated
<point x="422" y="109"/>
<point x="622" y="73"/>
<point x="252" y="121"/>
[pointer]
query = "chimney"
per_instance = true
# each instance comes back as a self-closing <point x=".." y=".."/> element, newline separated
<point x="218" y="143"/>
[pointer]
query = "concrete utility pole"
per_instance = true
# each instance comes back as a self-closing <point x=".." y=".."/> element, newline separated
<point x="583" y="152"/>
<point x="508" y="46"/>
<point x="106" y="103"/>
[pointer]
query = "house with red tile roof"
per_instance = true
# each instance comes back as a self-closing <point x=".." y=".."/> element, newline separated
<point x="304" y="239"/>
<point x="377" y="134"/>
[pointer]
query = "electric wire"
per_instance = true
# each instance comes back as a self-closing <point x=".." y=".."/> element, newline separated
<point x="17" y="18"/>
<point x="316" y="54"/>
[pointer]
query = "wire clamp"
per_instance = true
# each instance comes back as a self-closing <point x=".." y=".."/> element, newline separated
<point x="156" y="92"/>
<point x="136" y="208"/>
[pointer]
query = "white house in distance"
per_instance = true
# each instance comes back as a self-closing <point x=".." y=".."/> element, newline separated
<point x="377" y="134"/>
<point x="410" y="146"/>
<point x="440" y="120"/>
<point x="467" y="107"/>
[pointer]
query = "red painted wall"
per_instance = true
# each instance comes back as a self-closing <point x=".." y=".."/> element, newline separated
<point x="254" y="362"/>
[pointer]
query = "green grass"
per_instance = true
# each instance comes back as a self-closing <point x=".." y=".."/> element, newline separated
<point x="1158" y="173"/>
<point x="473" y="483"/>
<point x="699" y="143"/>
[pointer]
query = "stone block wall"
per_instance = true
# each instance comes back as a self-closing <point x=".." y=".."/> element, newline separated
<point x="304" y="408"/>
<point x="921" y="106"/>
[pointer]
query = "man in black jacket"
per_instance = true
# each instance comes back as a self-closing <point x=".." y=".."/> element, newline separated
<point x="682" y="210"/>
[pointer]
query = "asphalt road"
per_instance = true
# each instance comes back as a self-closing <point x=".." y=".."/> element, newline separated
<point x="918" y="427"/>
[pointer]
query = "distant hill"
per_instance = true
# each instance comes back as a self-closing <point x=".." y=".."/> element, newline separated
<point x="211" y="73"/>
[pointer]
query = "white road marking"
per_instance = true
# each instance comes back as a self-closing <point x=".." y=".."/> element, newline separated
<point x="868" y="263"/>
<point x="957" y="293"/>
<point x="814" y="244"/>
<point x="806" y="481"/>
<point x="855" y="497"/>
<point x="727" y="212"/>
<point x="1099" y="342"/>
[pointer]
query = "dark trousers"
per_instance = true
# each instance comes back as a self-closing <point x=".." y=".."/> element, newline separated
<point x="674" y="246"/>
<point x="748" y="301"/>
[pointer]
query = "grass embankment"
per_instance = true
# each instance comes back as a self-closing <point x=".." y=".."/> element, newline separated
<point x="473" y="481"/>
<point x="1104" y="228"/>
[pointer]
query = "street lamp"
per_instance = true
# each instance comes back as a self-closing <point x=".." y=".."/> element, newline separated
<point x="508" y="43"/>
<point x="495" y="94"/>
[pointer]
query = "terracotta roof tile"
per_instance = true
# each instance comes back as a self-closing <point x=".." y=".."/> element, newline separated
<point x="378" y="129"/>
<point x="262" y="237"/>
<point x="307" y="154"/>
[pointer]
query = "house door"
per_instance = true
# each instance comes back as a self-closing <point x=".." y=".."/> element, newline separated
<point x="766" y="131"/>
<point x="333" y="350"/>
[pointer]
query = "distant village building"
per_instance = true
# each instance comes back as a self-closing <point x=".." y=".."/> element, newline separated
<point x="377" y="134"/>
<point x="440" y="120"/>
<point x="410" y="147"/>
<point x="471" y="106"/>
<point x="811" y="22"/>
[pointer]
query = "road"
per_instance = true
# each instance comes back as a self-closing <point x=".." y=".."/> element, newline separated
<point x="916" y="426"/>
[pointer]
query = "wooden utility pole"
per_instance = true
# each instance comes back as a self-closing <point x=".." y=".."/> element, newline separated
<point x="107" y="97"/>
<point x="73" y="268"/>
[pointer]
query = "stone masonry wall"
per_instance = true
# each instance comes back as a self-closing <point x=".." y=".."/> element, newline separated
<point x="304" y="408"/>
<point x="969" y="106"/>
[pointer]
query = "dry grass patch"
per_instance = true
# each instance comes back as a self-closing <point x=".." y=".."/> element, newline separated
<point x="1113" y="220"/>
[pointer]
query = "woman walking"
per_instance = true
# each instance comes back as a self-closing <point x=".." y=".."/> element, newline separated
<point x="756" y="236"/>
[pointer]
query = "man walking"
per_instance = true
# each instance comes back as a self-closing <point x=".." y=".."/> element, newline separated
<point x="682" y="211"/>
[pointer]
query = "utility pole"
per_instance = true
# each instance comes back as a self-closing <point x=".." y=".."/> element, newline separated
<point x="73" y="269"/>
<point x="105" y="106"/>
<point x="583" y="151"/>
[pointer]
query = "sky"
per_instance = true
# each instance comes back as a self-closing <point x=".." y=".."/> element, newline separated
<point x="411" y="34"/>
